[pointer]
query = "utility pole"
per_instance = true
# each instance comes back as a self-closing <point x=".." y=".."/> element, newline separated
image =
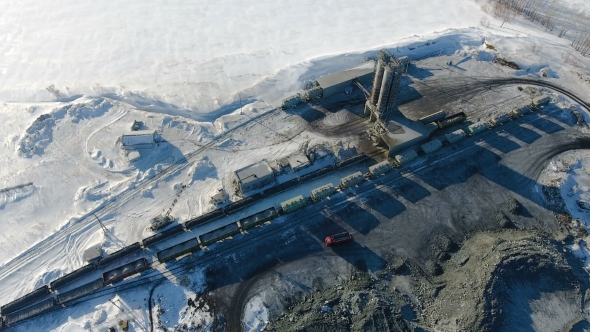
<point x="104" y="229"/>
<point x="241" y="111"/>
<point x="132" y="314"/>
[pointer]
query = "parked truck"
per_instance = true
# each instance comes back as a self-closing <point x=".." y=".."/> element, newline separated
<point x="338" y="238"/>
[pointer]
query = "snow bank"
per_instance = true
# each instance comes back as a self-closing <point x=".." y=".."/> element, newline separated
<point x="197" y="55"/>
<point x="255" y="315"/>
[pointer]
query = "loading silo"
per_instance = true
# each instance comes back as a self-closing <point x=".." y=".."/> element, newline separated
<point x="386" y="82"/>
<point x="377" y="81"/>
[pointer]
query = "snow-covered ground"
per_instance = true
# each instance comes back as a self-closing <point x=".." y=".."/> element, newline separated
<point x="570" y="171"/>
<point x="255" y="315"/>
<point x="74" y="76"/>
<point x="195" y="55"/>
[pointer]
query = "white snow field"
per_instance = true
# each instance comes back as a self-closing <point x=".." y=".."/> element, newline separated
<point x="194" y="55"/>
<point x="75" y="74"/>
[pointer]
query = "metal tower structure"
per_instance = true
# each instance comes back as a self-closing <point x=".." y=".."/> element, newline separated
<point x="386" y="81"/>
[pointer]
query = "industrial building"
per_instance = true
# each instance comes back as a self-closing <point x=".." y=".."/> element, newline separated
<point x="391" y="127"/>
<point x="255" y="176"/>
<point x="386" y="80"/>
<point x="338" y="82"/>
<point x="139" y="139"/>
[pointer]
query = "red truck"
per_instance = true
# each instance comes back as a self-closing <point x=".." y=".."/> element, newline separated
<point x="337" y="238"/>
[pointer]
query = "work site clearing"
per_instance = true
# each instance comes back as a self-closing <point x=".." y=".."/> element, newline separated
<point x="437" y="184"/>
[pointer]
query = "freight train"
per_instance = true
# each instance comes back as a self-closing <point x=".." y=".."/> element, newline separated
<point x="46" y="299"/>
<point x="50" y="297"/>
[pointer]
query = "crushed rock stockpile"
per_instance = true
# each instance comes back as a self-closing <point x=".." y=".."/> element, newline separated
<point x="363" y="303"/>
<point x="506" y="281"/>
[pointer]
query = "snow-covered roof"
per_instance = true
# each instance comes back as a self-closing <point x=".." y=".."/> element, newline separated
<point x="342" y="76"/>
<point x="140" y="133"/>
<point x="254" y="172"/>
<point x="298" y="160"/>
<point x="92" y="253"/>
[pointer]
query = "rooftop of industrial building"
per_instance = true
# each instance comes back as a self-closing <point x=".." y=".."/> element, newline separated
<point x="251" y="173"/>
<point x="401" y="131"/>
<point x="345" y="75"/>
<point x="140" y="132"/>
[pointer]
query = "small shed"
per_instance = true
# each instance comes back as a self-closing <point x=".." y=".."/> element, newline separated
<point x="219" y="198"/>
<point x="93" y="253"/>
<point x="139" y="139"/>
<point x="255" y="176"/>
<point x="298" y="161"/>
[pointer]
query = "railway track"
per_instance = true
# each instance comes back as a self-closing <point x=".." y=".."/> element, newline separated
<point x="387" y="180"/>
<point x="156" y="275"/>
<point x="116" y="202"/>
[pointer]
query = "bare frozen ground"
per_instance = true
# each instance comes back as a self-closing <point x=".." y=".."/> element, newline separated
<point x="513" y="281"/>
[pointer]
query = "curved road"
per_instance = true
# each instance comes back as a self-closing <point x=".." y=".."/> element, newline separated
<point x="238" y="302"/>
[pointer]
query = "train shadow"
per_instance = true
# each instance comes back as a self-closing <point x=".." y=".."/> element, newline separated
<point x="409" y="190"/>
<point x="357" y="217"/>
<point x="383" y="203"/>
<point x="544" y="125"/>
<point x="525" y="135"/>
<point x="462" y="170"/>
<point x="563" y="116"/>
<point x="502" y="143"/>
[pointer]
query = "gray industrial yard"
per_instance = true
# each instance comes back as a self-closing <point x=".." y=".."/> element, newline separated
<point x="436" y="174"/>
<point x="466" y="238"/>
<point x="295" y="166"/>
